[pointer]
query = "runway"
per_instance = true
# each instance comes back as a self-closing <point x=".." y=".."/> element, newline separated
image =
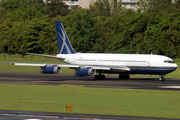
<point x="109" y="82"/>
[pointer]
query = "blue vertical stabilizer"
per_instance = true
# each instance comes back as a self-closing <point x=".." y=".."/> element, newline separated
<point x="63" y="42"/>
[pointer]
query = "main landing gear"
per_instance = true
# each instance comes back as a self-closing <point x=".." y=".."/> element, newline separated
<point x="99" y="77"/>
<point x="124" y="76"/>
<point x="102" y="77"/>
<point x="161" y="78"/>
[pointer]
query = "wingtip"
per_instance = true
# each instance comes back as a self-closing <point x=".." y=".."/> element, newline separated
<point x="10" y="63"/>
<point x="30" y="53"/>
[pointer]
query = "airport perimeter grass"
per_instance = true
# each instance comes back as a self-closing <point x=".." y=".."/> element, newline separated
<point x="38" y="59"/>
<point x="149" y="103"/>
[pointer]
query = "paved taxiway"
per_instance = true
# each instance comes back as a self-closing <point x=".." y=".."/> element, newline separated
<point x="109" y="82"/>
<point x="30" y="115"/>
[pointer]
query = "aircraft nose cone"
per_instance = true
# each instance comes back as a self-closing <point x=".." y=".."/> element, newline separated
<point x="176" y="67"/>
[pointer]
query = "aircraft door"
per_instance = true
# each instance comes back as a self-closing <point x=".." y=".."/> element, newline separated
<point x="74" y="61"/>
<point x="148" y="63"/>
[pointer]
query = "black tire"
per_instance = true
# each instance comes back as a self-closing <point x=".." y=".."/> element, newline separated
<point x="120" y="76"/>
<point x="99" y="77"/>
<point x="161" y="78"/>
<point x="95" y="77"/>
<point x="103" y="77"/>
<point x="128" y="76"/>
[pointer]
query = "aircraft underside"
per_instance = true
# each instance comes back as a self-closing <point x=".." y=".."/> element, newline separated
<point x="153" y="71"/>
<point x="126" y="75"/>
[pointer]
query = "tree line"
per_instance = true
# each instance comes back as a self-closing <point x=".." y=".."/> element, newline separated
<point x="29" y="26"/>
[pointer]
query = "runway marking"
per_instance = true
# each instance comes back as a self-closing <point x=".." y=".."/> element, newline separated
<point x="173" y="87"/>
<point x="50" y="117"/>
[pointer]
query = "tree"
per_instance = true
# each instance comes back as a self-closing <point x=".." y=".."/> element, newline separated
<point x="48" y="38"/>
<point x="5" y="35"/>
<point x="31" y="35"/>
<point x="83" y="32"/>
<point x="158" y="6"/>
<point x="101" y="8"/>
<point x="57" y="7"/>
<point x="117" y="8"/>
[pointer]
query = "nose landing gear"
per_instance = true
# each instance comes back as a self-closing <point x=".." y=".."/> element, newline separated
<point x="161" y="78"/>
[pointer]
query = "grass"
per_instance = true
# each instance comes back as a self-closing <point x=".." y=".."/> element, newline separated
<point x="149" y="103"/>
<point x="39" y="59"/>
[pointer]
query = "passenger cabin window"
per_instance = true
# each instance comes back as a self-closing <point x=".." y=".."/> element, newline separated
<point x="169" y="61"/>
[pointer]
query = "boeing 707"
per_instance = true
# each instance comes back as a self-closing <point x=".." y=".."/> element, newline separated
<point x="98" y="64"/>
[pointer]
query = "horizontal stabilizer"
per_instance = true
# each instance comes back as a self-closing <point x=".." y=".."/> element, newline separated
<point x="50" y="56"/>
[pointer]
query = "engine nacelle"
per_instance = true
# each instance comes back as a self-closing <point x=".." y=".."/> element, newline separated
<point x="51" y="70"/>
<point x="85" y="72"/>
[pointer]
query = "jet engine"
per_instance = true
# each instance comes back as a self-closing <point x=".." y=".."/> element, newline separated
<point x="85" y="72"/>
<point x="51" y="70"/>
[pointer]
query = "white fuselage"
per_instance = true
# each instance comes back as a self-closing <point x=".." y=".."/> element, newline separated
<point x="138" y="63"/>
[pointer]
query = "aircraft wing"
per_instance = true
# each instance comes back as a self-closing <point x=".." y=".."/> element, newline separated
<point x="44" y="64"/>
<point x="73" y="66"/>
<point x="111" y="68"/>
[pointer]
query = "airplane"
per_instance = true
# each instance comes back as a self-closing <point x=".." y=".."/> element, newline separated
<point x="98" y="64"/>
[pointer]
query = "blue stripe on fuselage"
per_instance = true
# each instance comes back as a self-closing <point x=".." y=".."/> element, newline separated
<point x="143" y="70"/>
<point x="151" y="70"/>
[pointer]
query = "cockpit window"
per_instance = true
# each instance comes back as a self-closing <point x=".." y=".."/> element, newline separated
<point x="169" y="61"/>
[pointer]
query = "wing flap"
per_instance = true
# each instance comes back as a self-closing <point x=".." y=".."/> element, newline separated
<point x="121" y="69"/>
<point x="68" y="65"/>
<point x="111" y="68"/>
<point x="101" y="68"/>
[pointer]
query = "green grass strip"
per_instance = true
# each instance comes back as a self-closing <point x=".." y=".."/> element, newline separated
<point x="130" y="102"/>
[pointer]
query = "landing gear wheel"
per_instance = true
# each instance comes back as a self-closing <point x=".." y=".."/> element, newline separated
<point x="127" y="76"/>
<point x="161" y="78"/>
<point x="120" y="76"/>
<point x="124" y="76"/>
<point x="103" y="77"/>
<point x="95" y="77"/>
<point x="99" y="77"/>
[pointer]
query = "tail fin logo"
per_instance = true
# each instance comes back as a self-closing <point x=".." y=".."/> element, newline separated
<point x="63" y="41"/>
